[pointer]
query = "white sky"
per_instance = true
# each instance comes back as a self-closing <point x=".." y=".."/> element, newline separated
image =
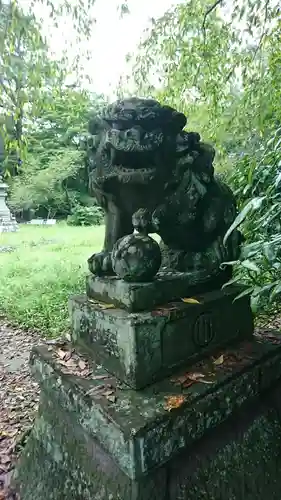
<point x="113" y="37"/>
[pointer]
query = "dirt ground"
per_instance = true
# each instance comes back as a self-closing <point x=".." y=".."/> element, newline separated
<point x="19" y="396"/>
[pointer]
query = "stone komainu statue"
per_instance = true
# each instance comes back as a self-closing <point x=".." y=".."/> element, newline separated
<point x="153" y="176"/>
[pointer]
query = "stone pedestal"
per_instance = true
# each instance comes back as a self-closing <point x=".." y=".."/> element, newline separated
<point x="187" y="409"/>
<point x="7" y="221"/>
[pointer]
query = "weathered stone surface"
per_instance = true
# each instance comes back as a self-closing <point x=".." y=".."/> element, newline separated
<point x="137" y="297"/>
<point x="241" y="460"/>
<point x="143" y="347"/>
<point x="67" y="463"/>
<point x="136" y="258"/>
<point x="137" y="430"/>
<point x="84" y="447"/>
<point x="153" y="177"/>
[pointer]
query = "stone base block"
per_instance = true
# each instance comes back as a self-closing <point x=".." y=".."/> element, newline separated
<point x="141" y="348"/>
<point x="220" y="441"/>
<point x="135" y="297"/>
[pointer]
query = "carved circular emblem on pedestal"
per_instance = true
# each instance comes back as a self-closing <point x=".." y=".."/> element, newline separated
<point x="204" y="330"/>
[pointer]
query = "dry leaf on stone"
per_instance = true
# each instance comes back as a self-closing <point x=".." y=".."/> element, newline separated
<point x="191" y="378"/>
<point x="219" y="361"/>
<point x="190" y="300"/>
<point x="102" y="305"/>
<point x="206" y="380"/>
<point x="195" y="376"/>
<point x="173" y="402"/>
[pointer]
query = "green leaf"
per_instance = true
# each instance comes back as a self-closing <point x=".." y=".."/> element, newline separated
<point x="253" y="204"/>
<point x="245" y="292"/>
<point x="249" y="264"/>
<point x="275" y="292"/>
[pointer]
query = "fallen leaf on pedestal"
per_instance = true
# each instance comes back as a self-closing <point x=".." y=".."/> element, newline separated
<point x="102" y="305"/>
<point x="173" y="402"/>
<point x="190" y="301"/>
<point x="219" y="360"/>
<point x="206" y="381"/>
<point x="195" y="376"/>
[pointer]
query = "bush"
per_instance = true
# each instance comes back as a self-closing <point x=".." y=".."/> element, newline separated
<point x="86" y="216"/>
<point x="257" y="184"/>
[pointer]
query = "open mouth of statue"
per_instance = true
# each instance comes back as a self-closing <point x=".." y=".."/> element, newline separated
<point x="132" y="162"/>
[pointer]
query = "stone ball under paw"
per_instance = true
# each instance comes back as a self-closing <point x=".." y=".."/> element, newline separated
<point x="136" y="258"/>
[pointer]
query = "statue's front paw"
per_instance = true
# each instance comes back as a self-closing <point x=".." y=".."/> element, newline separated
<point x="100" y="264"/>
<point x="141" y="221"/>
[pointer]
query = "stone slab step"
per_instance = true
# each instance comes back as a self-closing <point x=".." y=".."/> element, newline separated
<point x="142" y="430"/>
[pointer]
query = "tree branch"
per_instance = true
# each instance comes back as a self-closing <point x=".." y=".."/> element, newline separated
<point x="209" y="11"/>
<point x="264" y="30"/>
<point x="203" y="28"/>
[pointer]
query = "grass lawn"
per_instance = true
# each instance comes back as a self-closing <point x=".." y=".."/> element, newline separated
<point x="48" y="264"/>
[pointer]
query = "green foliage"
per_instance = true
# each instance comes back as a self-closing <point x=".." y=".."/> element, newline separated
<point x="85" y="216"/>
<point x="48" y="265"/>
<point x="219" y="62"/>
<point x="47" y="188"/>
<point x="54" y="177"/>
<point x="24" y="70"/>
<point x="257" y="182"/>
<point x="211" y="60"/>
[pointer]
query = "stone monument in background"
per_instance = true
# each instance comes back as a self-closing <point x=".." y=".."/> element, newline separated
<point x="7" y="221"/>
<point x="163" y="391"/>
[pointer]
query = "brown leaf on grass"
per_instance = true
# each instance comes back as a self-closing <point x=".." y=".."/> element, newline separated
<point x="190" y="300"/>
<point x="219" y="361"/>
<point x="173" y="402"/>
